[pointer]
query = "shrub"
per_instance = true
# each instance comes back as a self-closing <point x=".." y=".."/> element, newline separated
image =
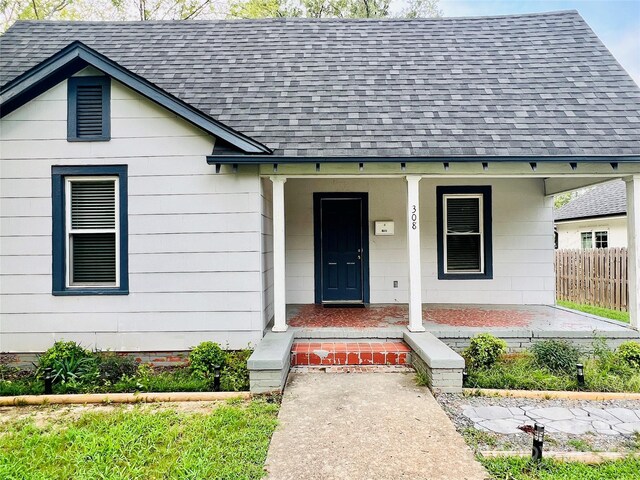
<point x="113" y="367"/>
<point x="235" y="374"/>
<point x="71" y="364"/>
<point x="484" y="350"/>
<point x="556" y="355"/>
<point x="205" y="357"/>
<point x="629" y="353"/>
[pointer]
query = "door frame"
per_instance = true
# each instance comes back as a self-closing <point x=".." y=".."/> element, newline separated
<point x="317" y="238"/>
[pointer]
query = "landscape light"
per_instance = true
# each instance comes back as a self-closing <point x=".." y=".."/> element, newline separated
<point x="48" y="381"/>
<point x="216" y="378"/>
<point x="580" y="373"/>
<point x="538" y="442"/>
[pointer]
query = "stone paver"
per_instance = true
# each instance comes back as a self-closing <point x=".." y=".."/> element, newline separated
<point x="624" y="414"/>
<point x="573" y="421"/>
<point x="365" y="426"/>
<point x="551" y="413"/>
<point x="501" y="425"/>
<point x="573" y="427"/>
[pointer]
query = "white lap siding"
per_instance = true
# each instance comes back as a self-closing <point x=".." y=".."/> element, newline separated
<point x="195" y="241"/>
<point x="522" y="241"/>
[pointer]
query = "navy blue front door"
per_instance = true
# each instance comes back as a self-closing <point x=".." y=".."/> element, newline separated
<point x="340" y="245"/>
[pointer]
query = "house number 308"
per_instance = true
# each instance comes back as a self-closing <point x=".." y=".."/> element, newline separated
<point x="414" y="217"/>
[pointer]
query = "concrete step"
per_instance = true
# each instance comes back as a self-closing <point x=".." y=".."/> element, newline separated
<point x="350" y="353"/>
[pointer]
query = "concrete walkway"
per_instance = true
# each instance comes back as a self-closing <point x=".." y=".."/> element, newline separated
<point x="365" y="426"/>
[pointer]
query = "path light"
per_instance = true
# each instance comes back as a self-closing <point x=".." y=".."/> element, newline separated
<point x="580" y="372"/>
<point x="216" y="378"/>
<point x="538" y="442"/>
<point x="48" y="381"/>
<point x="465" y="375"/>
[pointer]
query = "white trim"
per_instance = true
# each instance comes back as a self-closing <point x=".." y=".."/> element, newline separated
<point x="413" y="254"/>
<point x="70" y="231"/>
<point x="633" y="238"/>
<point x="279" y="262"/>
<point x="480" y="198"/>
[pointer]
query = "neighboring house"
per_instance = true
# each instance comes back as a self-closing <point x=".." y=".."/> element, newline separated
<point x="164" y="183"/>
<point x="596" y="218"/>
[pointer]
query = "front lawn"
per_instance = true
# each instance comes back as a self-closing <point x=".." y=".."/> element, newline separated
<point x="513" y="468"/>
<point x="228" y="441"/>
<point x="599" y="311"/>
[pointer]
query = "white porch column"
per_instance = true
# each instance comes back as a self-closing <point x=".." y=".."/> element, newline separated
<point x="633" y="237"/>
<point x="413" y="253"/>
<point x="279" y="286"/>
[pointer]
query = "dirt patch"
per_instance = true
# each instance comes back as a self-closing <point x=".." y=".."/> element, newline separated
<point x="44" y="415"/>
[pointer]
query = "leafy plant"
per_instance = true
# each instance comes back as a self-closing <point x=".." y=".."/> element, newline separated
<point x="235" y="374"/>
<point x="70" y="363"/>
<point x="629" y="353"/>
<point x="484" y="350"/>
<point x="113" y="367"/>
<point x="556" y="355"/>
<point x="205" y="357"/>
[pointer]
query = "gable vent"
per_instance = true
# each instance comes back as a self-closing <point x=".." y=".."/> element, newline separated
<point x="89" y="113"/>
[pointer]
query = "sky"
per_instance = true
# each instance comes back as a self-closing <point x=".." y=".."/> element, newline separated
<point x="616" y="22"/>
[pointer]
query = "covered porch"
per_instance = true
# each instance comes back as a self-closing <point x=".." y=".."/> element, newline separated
<point x="454" y="318"/>
<point x="407" y="285"/>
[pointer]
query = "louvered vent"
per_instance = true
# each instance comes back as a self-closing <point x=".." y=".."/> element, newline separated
<point x="89" y="111"/>
<point x="93" y="238"/>
<point x="463" y="234"/>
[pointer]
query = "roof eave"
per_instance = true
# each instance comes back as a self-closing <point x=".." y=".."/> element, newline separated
<point x="263" y="159"/>
<point x="77" y="55"/>
<point x="591" y="217"/>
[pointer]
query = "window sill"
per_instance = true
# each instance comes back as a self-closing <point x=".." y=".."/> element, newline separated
<point x="88" y="139"/>
<point x="89" y="291"/>
<point x="465" y="276"/>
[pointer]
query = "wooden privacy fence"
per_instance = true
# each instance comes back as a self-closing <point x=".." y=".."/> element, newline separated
<point x="596" y="276"/>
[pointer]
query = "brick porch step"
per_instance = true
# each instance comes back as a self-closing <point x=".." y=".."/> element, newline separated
<point x="349" y="353"/>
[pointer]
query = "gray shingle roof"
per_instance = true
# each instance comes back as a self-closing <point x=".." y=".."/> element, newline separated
<point x="606" y="199"/>
<point x="539" y="84"/>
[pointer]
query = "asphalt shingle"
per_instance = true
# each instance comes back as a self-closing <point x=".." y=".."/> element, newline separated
<point x="538" y="84"/>
<point x="606" y="199"/>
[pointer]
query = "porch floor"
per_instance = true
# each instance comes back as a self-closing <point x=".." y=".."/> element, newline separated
<point x="444" y="318"/>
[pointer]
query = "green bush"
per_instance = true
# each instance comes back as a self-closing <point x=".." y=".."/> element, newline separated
<point x="484" y="350"/>
<point x="72" y="365"/>
<point x="205" y="357"/>
<point x="556" y="355"/>
<point x="629" y="353"/>
<point x="235" y="374"/>
<point x="113" y="367"/>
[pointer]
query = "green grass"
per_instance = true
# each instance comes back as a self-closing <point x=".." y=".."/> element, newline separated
<point x="230" y="442"/>
<point x="520" y="372"/>
<point x="599" y="311"/>
<point x="522" y="469"/>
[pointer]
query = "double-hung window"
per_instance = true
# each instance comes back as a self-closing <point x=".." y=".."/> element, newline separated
<point x="594" y="239"/>
<point x="464" y="232"/>
<point x="90" y="230"/>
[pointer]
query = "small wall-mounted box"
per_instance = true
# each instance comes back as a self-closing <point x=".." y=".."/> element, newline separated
<point x="385" y="227"/>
